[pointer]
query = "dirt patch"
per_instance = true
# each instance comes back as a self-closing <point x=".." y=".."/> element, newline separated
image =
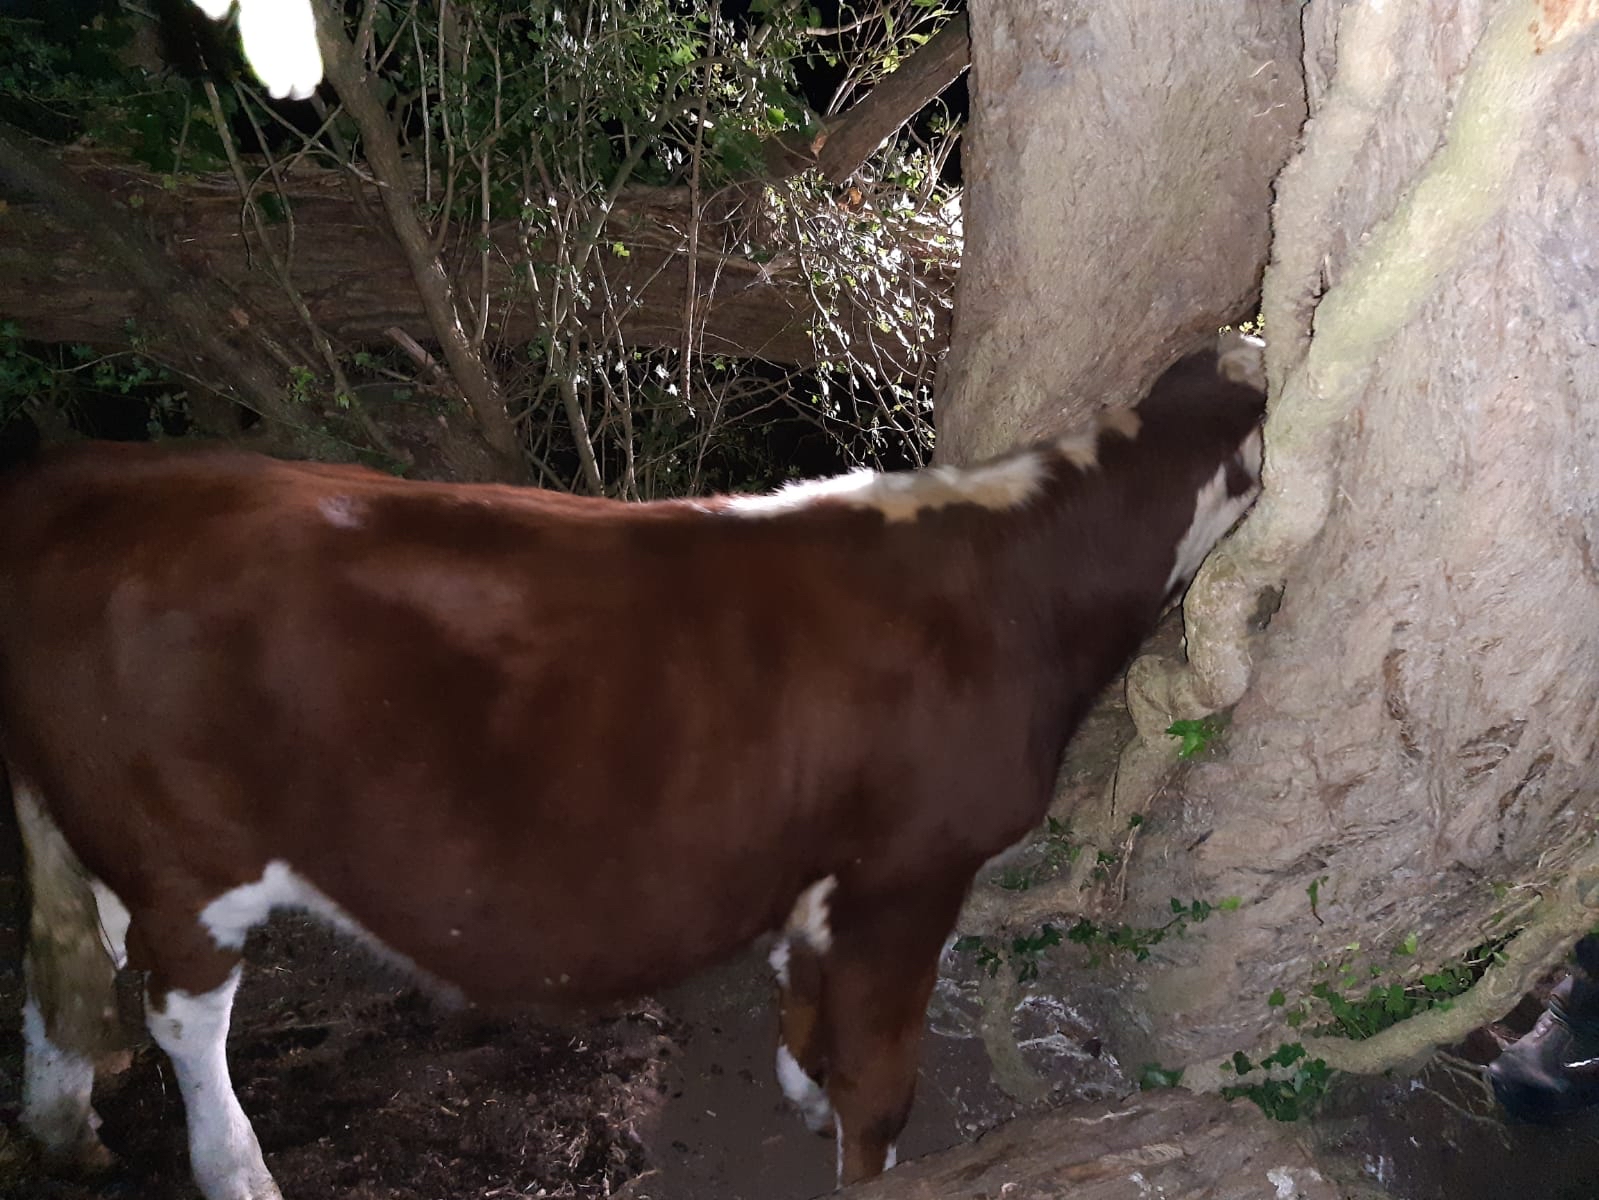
<point x="360" y="1086"/>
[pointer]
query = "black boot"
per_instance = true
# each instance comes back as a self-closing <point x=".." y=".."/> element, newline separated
<point x="1554" y="1069"/>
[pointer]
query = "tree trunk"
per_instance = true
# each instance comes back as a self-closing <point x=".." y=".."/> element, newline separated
<point x="1118" y="174"/>
<point x="1411" y="763"/>
<point x="1156" y="1144"/>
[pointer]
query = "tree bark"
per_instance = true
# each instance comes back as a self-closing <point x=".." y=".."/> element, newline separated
<point x="1155" y="1144"/>
<point x="854" y="137"/>
<point x="1415" y="731"/>
<point x="1118" y="173"/>
<point x="185" y="323"/>
<point x="358" y="285"/>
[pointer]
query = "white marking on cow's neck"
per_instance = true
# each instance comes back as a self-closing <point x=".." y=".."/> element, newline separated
<point x="808" y="920"/>
<point x="1215" y="512"/>
<point x="803" y="1092"/>
<point x="903" y="495"/>
<point x="1003" y="484"/>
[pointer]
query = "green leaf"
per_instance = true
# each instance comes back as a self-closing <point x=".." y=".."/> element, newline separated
<point x="1153" y="1076"/>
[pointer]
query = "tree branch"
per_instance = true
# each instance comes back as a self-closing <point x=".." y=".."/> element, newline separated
<point x="470" y="370"/>
<point x="854" y="137"/>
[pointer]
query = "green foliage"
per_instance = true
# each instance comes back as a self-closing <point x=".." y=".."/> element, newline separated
<point x="1026" y="950"/>
<point x="1388" y="1004"/>
<point x="53" y="384"/>
<point x="1140" y="940"/>
<point x="1196" y="736"/>
<point x="1293" y="1094"/>
<point x="78" y="80"/>
<point x="1283" y="1097"/>
<point x="1153" y="1076"/>
<point x="1057" y="851"/>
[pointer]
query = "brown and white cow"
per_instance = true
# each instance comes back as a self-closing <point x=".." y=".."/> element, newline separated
<point x="552" y="748"/>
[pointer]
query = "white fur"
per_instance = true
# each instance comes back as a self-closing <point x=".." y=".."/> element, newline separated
<point x="223" y="1153"/>
<point x="891" y="1159"/>
<point x="1214" y="513"/>
<point x="56" y="1084"/>
<point x="114" y="922"/>
<point x="902" y="495"/>
<point x="803" y="1092"/>
<point x="235" y="912"/>
<point x="279" y="39"/>
<point x="778" y="960"/>
<point x="342" y="512"/>
<point x="808" y="920"/>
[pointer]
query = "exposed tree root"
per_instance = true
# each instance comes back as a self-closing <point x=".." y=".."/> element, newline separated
<point x="999" y="995"/>
<point x="1554" y="925"/>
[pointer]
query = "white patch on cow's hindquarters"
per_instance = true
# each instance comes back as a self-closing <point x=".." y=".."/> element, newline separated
<point x="891" y="1159"/>
<point x="803" y="1092"/>
<point x="223" y="1153"/>
<point x="342" y="512"/>
<point x="808" y="918"/>
<point x="56" y="1085"/>
<point x="902" y="495"/>
<point x="1215" y="512"/>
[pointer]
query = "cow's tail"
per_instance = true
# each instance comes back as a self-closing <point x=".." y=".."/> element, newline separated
<point x="70" y="1021"/>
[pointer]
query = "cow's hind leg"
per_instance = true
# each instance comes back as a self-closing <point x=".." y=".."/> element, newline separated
<point x="69" y="1019"/>
<point x="878" y="972"/>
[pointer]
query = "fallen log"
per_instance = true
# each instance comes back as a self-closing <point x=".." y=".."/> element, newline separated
<point x="1167" y="1143"/>
<point x="357" y="286"/>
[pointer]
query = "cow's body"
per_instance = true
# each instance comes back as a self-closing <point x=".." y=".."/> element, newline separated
<point x="567" y="749"/>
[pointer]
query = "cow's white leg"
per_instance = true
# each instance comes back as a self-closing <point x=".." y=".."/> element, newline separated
<point x="223" y="1152"/>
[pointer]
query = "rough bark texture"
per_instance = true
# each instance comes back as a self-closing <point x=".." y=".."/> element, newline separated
<point x="1417" y="737"/>
<point x="1157" y="1144"/>
<point x="1118" y="172"/>
<point x="178" y="314"/>
<point x="357" y="284"/>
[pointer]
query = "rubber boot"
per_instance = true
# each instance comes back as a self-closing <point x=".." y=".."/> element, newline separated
<point x="1554" y="1069"/>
